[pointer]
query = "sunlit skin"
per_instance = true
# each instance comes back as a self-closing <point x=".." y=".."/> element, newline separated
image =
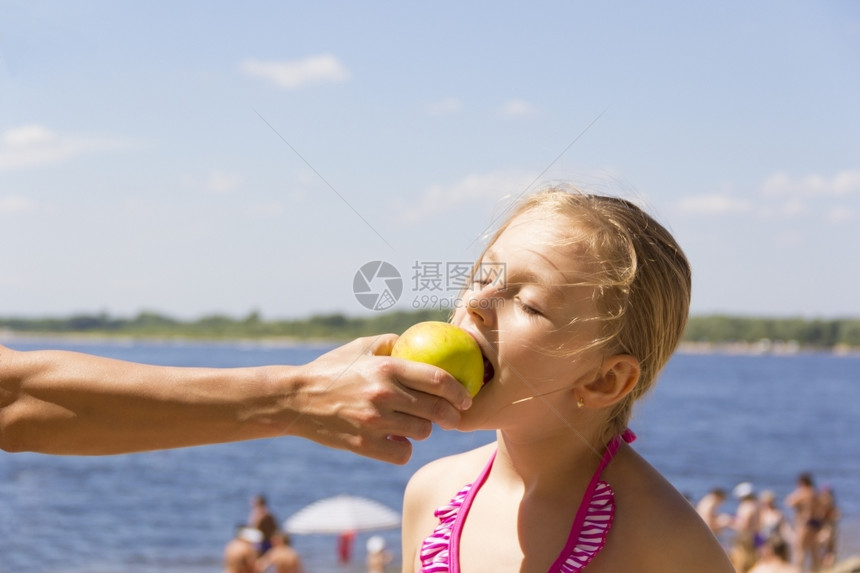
<point x="523" y="325"/>
<point x="537" y="335"/>
<point x="353" y="397"/>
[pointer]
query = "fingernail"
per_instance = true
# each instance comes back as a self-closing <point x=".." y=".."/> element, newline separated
<point x="466" y="404"/>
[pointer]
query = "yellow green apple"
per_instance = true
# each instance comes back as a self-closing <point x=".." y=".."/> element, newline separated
<point x="447" y="346"/>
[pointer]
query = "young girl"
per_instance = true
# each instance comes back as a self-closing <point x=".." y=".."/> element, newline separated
<point x="593" y="302"/>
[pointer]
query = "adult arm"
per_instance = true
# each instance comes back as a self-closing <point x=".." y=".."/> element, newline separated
<point x="354" y="397"/>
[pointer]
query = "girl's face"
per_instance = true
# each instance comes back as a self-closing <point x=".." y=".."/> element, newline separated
<point x="533" y="326"/>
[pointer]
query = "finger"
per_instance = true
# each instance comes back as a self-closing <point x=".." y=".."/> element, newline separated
<point x="434" y="381"/>
<point x="377" y="444"/>
<point x="407" y="426"/>
<point x="434" y="409"/>
<point x="392" y="449"/>
<point x="411" y="412"/>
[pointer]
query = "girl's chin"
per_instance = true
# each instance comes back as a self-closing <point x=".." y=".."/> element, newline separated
<point x="473" y="421"/>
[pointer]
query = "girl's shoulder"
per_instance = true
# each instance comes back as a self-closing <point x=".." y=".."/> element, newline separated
<point x="435" y="484"/>
<point x="457" y="470"/>
<point x="655" y="523"/>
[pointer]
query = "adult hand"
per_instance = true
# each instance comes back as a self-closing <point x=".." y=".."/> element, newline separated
<point x="357" y="397"/>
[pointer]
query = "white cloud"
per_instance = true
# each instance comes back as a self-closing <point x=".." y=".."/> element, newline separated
<point x="789" y="239"/>
<point x="782" y="197"/>
<point x="295" y="74"/>
<point x="517" y="108"/>
<point x="14" y="281"/>
<point x="817" y="190"/>
<point x="847" y="183"/>
<point x="793" y="207"/>
<point x="12" y="204"/>
<point x="34" y="145"/>
<point x="841" y="215"/>
<point x="714" y="204"/>
<point x="27" y="135"/>
<point x="842" y="184"/>
<point x="217" y="182"/>
<point x="265" y="210"/>
<point x="446" y="106"/>
<point x="221" y="183"/>
<point x="492" y="187"/>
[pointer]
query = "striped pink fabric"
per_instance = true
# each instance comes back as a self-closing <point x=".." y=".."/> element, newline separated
<point x="592" y="535"/>
<point x="440" y="551"/>
<point x="436" y="548"/>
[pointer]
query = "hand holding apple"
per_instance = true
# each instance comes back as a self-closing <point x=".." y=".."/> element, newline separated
<point x="447" y="346"/>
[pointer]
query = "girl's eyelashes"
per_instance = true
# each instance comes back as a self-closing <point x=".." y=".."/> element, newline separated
<point x="483" y="282"/>
<point x="529" y="310"/>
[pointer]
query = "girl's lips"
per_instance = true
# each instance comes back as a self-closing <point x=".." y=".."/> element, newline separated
<point x="489" y="369"/>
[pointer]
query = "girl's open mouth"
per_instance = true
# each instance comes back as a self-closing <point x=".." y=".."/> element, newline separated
<point x="489" y="371"/>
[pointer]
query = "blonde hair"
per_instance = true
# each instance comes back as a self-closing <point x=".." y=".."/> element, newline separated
<point x="641" y="279"/>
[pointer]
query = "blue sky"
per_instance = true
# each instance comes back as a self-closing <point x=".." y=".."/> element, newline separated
<point x="200" y="157"/>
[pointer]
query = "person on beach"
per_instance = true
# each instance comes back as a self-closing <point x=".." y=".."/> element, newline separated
<point x="708" y="509"/>
<point x="774" y="557"/>
<point x="830" y="518"/>
<point x="743" y="554"/>
<point x="281" y="558"/>
<point x="746" y="524"/>
<point x="772" y="519"/>
<point x="808" y="521"/>
<point x="261" y="518"/>
<point x="747" y="519"/>
<point x="378" y="557"/>
<point x="240" y="553"/>
<point x="354" y="397"/>
<point x="593" y="303"/>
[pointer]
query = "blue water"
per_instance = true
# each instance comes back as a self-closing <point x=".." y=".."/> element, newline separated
<point x="713" y="420"/>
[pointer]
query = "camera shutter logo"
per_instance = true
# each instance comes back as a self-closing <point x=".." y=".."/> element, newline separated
<point x="377" y="285"/>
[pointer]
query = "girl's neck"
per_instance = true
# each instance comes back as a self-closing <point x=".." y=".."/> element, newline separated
<point x="550" y="463"/>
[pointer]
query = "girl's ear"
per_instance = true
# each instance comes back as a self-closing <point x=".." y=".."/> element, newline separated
<point x="617" y="377"/>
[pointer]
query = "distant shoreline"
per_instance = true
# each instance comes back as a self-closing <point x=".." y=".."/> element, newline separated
<point x="128" y="339"/>
<point x="703" y="333"/>
<point x="761" y="348"/>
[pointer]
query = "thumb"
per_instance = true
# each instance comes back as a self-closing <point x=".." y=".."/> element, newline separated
<point x="383" y="344"/>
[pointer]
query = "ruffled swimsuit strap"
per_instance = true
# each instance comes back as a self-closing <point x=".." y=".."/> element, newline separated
<point x="593" y="518"/>
<point x="439" y="554"/>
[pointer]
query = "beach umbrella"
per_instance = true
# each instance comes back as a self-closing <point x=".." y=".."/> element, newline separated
<point x="342" y="514"/>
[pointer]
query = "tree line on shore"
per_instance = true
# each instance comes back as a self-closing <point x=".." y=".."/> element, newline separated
<point x="711" y="329"/>
<point x="808" y="333"/>
<point x="217" y="326"/>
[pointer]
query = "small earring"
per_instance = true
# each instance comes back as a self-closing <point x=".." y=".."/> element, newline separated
<point x="580" y="402"/>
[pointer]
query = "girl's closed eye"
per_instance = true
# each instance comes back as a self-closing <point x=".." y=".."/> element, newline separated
<point x="479" y="279"/>
<point x="483" y="280"/>
<point x="526" y="308"/>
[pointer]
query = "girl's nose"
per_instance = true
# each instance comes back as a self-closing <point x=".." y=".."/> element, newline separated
<point x="478" y="303"/>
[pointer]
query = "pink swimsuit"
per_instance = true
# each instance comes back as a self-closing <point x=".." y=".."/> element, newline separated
<point x="440" y="551"/>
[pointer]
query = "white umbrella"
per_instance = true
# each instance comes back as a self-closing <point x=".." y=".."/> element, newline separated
<point x="342" y="513"/>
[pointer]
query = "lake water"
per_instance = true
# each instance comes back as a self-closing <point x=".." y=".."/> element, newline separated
<point x="713" y="420"/>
